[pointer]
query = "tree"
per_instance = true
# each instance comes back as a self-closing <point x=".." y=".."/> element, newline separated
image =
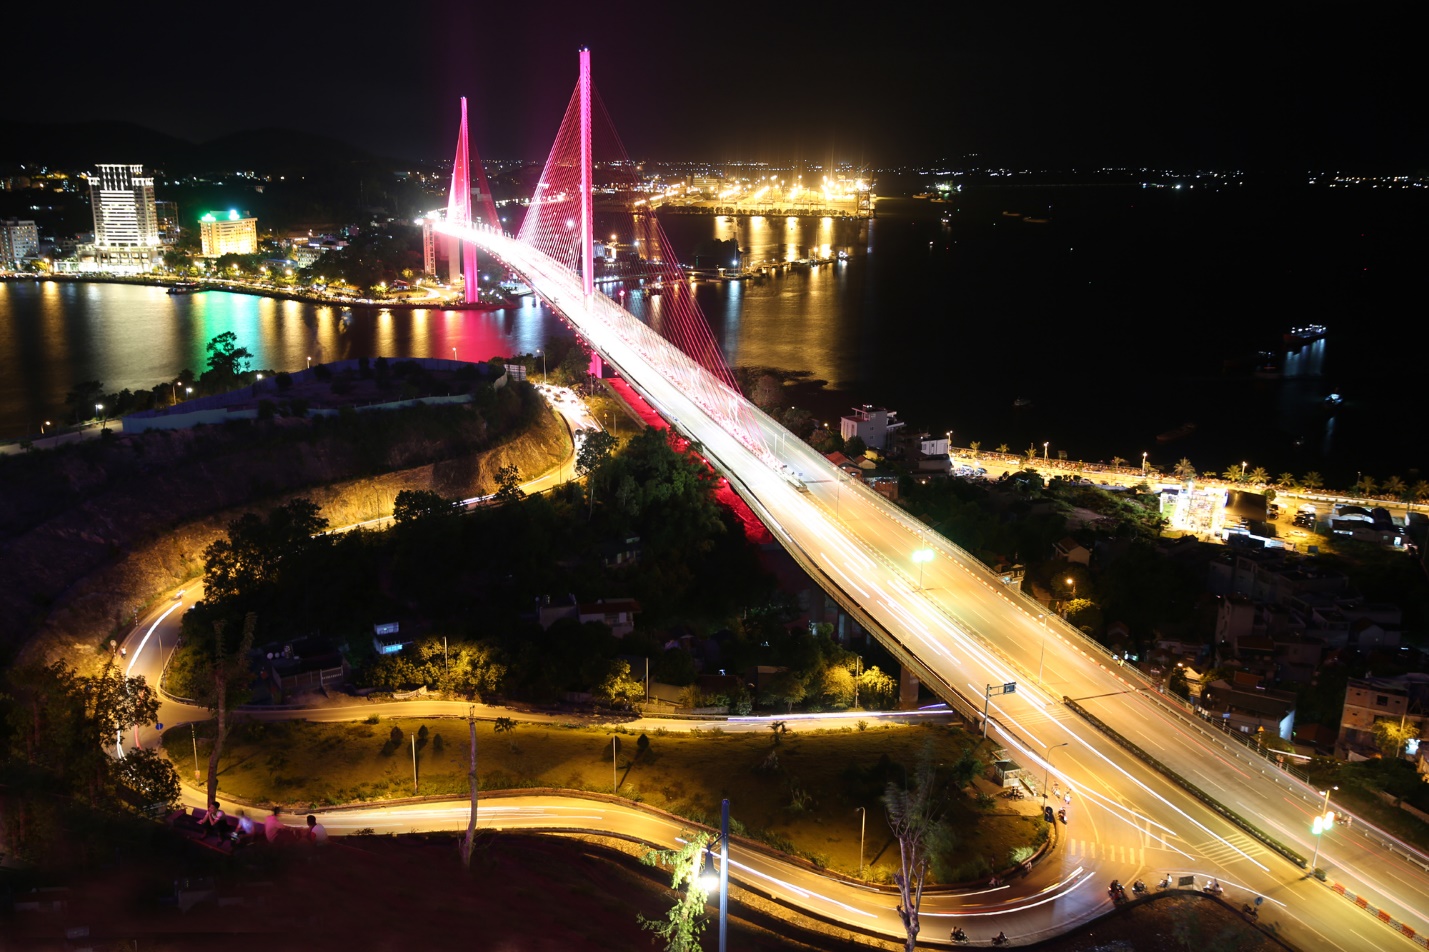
<point x="507" y="726"/>
<point x="1395" y="489"/>
<point x="876" y="689"/>
<point x="508" y="484"/>
<point x="1117" y="462"/>
<point x="913" y="813"/>
<point x="1287" y="481"/>
<point x="788" y="687"/>
<point x="1366" y="486"/>
<point x="1183" y="469"/>
<point x="469" y="841"/>
<point x="223" y="687"/>
<point x="1312" y="481"/>
<point x="1259" y="476"/>
<point x="83" y="398"/>
<point x="1391" y="736"/>
<point x="595" y="451"/>
<point x="618" y="688"/>
<point x="1233" y="474"/>
<point x="413" y="505"/>
<point x="1178" y="684"/>
<point x="683" y="924"/>
<point x="1419" y="492"/>
<point x="1002" y="448"/>
<point x="258" y="552"/>
<point x="1030" y="453"/>
<point x="226" y="360"/>
<point x="855" y="447"/>
<point x="975" y="446"/>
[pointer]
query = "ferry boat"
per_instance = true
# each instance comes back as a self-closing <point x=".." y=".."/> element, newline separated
<point x="185" y="287"/>
<point x="1305" y="335"/>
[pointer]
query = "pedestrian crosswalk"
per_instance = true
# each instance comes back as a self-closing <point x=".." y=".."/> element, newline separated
<point x="1230" y="849"/>
<point x="1105" y="852"/>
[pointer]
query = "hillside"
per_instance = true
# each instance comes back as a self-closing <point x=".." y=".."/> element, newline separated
<point x="91" y="532"/>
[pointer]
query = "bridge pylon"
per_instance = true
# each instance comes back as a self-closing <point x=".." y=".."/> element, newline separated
<point x="461" y="255"/>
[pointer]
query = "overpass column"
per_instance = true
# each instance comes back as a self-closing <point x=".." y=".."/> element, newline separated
<point x="907" y="689"/>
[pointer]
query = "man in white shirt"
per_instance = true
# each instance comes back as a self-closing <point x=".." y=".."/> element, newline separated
<point x="317" y="834"/>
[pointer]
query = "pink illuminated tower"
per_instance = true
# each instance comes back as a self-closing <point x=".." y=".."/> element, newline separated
<point x="459" y="211"/>
<point x="587" y="183"/>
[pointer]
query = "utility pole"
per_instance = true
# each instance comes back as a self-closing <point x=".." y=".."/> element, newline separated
<point x="470" y="840"/>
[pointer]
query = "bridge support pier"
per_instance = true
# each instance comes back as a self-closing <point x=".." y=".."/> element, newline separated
<point x="908" y="684"/>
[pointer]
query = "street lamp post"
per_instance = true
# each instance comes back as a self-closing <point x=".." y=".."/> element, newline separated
<point x="709" y="880"/>
<point x="1045" y="444"/>
<point x="453" y="354"/>
<point x="1143" y="462"/>
<point x="1072" y="584"/>
<point x="99" y="411"/>
<point x="1325" y="819"/>
<point x="1047" y="760"/>
<point x="194" y="734"/>
<point x="414" y="764"/>
<point x="921" y="556"/>
<point x="310" y="364"/>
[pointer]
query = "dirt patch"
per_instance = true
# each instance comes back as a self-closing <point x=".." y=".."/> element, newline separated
<point x="801" y="795"/>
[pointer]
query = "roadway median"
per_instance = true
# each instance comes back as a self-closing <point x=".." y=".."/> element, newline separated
<point x="1188" y="786"/>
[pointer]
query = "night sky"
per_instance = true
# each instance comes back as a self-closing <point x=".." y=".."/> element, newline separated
<point x="1287" y="86"/>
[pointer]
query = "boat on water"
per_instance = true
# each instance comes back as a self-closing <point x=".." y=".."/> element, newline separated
<point x="185" y="287"/>
<point x="1022" y="402"/>
<point x="1305" y="335"/>
<point x="1035" y="221"/>
<point x="1011" y="214"/>
<point x="1185" y="429"/>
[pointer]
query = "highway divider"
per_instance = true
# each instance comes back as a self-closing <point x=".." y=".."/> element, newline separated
<point x="1188" y="786"/>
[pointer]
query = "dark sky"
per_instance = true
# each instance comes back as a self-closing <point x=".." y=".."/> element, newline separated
<point x="1288" y="86"/>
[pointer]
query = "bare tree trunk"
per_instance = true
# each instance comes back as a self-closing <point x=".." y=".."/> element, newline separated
<point x="470" y="841"/>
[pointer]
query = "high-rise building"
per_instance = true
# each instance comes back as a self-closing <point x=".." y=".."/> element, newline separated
<point x="126" y="225"/>
<point x="167" y="214"/>
<point x="18" y="240"/>
<point x="226" y="233"/>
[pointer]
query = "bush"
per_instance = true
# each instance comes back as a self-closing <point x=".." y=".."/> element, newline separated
<point x="372" y="719"/>
<point x="437" y="743"/>
<point x="284" y="381"/>
<point x="322" y="372"/>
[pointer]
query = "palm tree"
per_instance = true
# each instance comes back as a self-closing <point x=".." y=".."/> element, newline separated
<point x="1259" y="476"/>
<point x="1233" y="474"/>
<point x="1184" y="469"/>
<point x="1312" y="481"/>
<point x="1395" y="489"/>
<point x="1116" y="462"/>
<point x="1419" y="492"/>
<point x="1287" y="481"/>
<point x="975" y="445"/>
<point x="1366" y="486"/>
<point x="1030" y="453"/>
<point x="1002" y="448"/>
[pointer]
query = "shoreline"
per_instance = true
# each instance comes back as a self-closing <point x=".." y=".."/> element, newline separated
<point x="275" y="293"/>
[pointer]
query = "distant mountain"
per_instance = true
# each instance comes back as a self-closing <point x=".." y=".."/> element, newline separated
<point x="86" y="144"/>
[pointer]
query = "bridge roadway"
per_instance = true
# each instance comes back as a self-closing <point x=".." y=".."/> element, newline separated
<point x="963" y="630"/>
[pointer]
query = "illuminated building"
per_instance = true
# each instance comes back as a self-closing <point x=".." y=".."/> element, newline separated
<point x="225" y="233"/>
<point x="18" y="240"/>
<point x="126" y="224"/>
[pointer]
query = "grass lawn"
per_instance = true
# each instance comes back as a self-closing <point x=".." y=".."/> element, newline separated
<point x="800" y="794"/>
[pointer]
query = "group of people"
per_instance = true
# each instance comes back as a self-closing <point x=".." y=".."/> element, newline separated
<point x="274" y="831"/>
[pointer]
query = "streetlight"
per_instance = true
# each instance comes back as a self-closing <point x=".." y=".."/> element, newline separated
<point x="921" y="556"/>
<point x="1143" y="462"/>
<point x="1045" y="444"/>
<point x="1047" y="761"/>
<point x="453" y="353"/>
<point x="1071" y="584"/>
<point x="862" y="826"/>
<point x="188" y="392"/>
<point x="1322" y="822"/>
<point x="1242" y="470"/>
<point x="710" y="880"/>
<point x="99" y="412"/>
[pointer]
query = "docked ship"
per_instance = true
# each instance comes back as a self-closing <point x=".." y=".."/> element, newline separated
<point x="1308" y="334"/>
<point x="185" y="287"/>
<point x="1185" y="429"/>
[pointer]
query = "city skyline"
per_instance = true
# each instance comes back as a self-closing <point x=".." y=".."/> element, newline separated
<point x="1252" y="90"/>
